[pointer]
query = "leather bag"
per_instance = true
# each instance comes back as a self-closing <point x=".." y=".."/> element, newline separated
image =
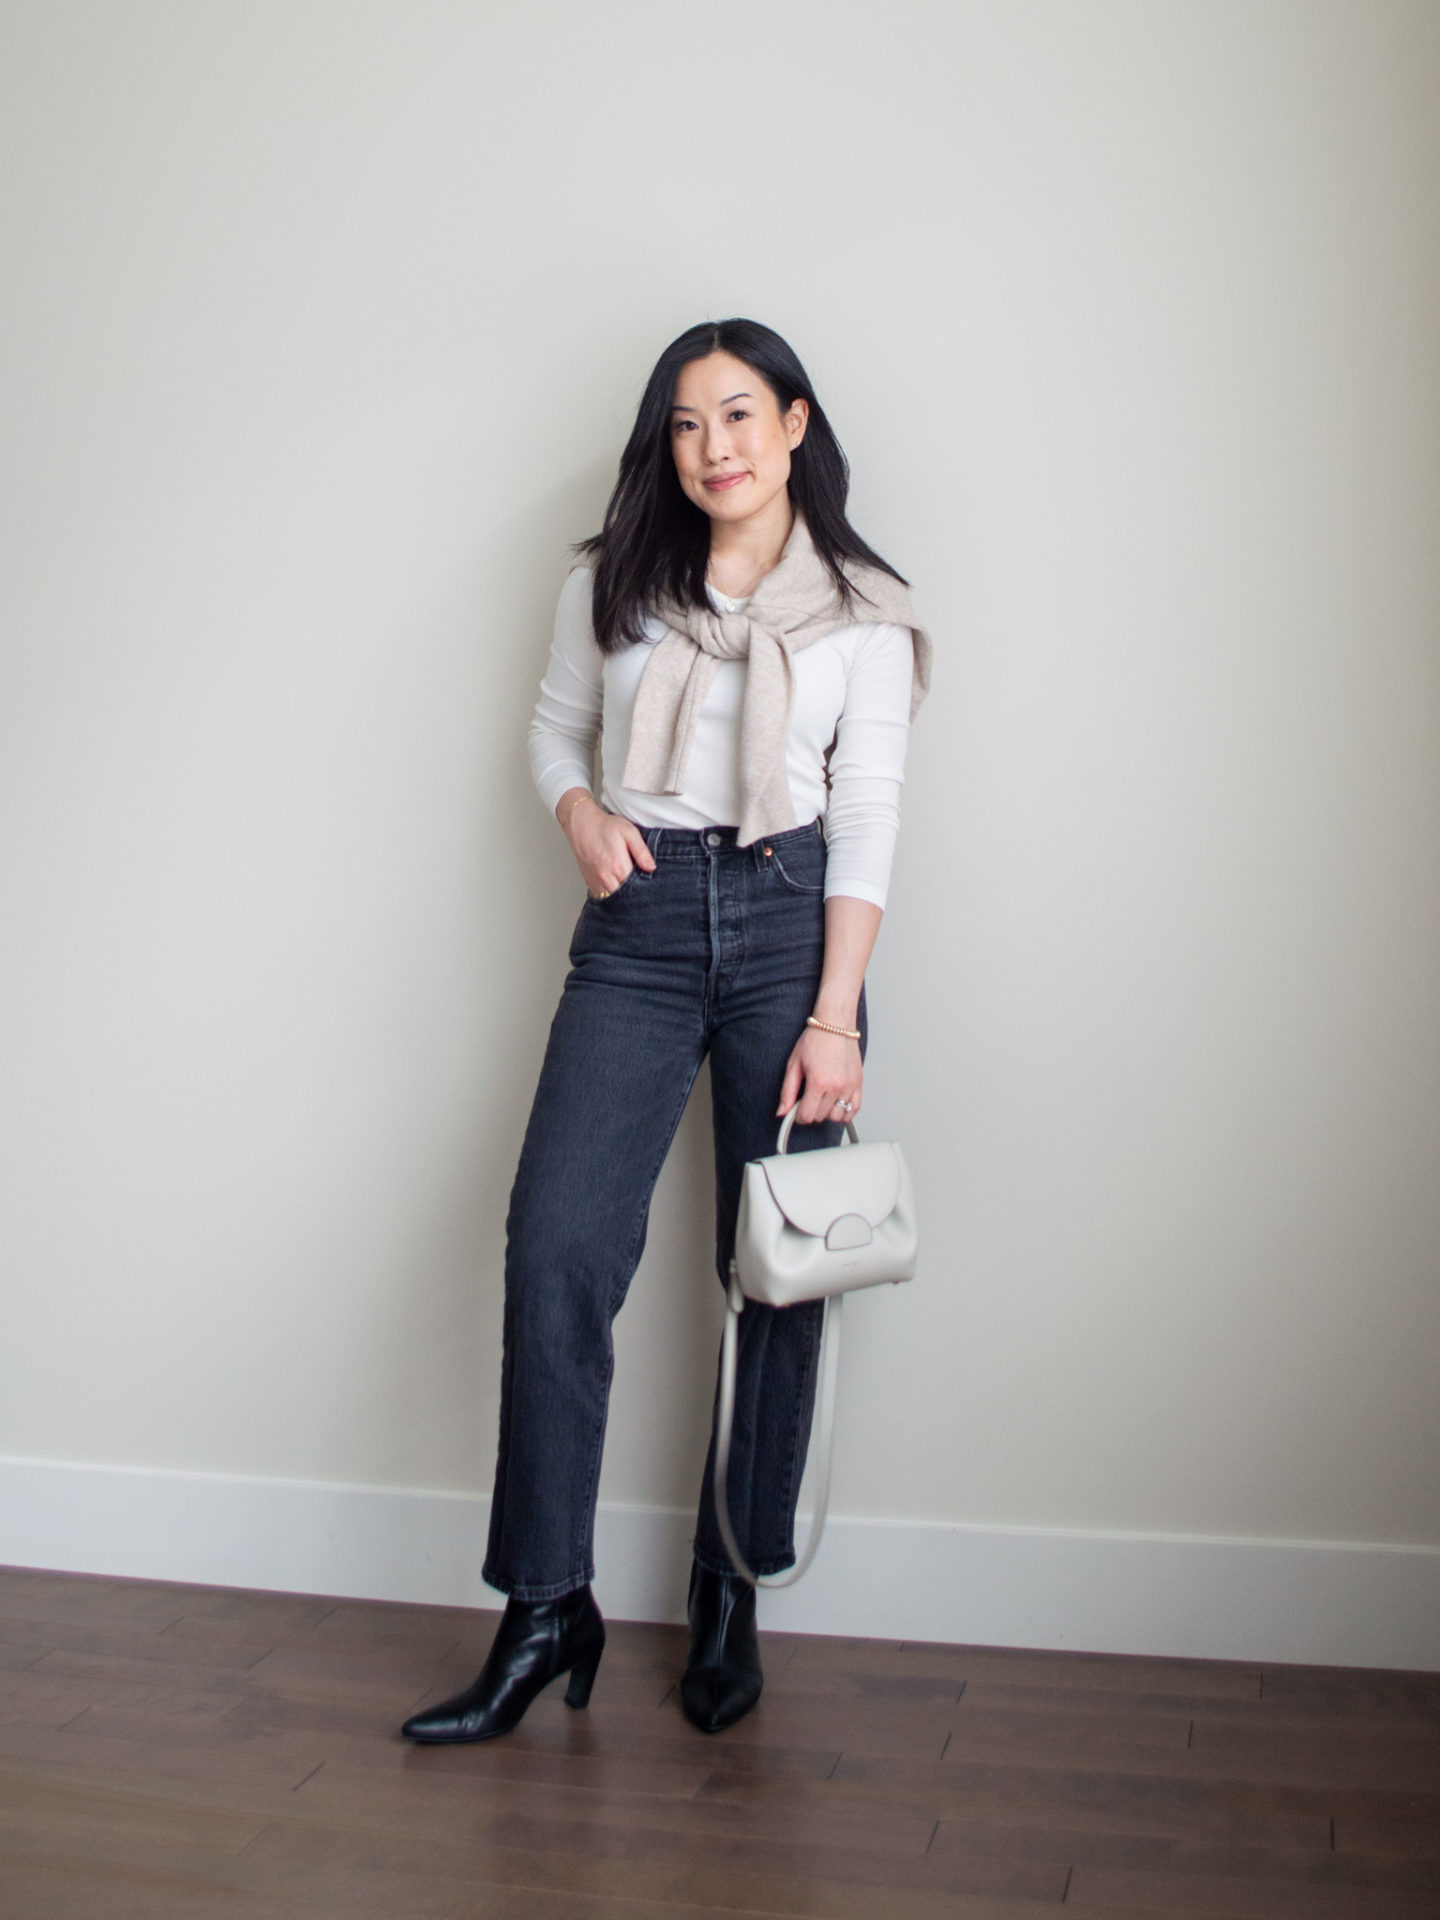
<point x="812" y="1226"/>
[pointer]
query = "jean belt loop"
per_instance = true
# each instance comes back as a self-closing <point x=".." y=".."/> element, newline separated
<point x="652" y="839"/>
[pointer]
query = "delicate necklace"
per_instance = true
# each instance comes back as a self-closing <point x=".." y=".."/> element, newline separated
<point x="731" y="602"/>
<point x="730" y="606"/>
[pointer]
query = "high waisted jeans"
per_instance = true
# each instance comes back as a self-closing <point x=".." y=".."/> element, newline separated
<point x="719" y="951"/>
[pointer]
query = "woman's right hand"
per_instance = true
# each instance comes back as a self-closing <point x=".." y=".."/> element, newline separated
<point x="607" y="847"/>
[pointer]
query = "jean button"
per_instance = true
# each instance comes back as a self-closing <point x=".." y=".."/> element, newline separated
<point x="712" y="839"/>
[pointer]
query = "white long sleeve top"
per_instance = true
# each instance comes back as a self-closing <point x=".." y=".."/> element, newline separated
<point x="844" y="753"/>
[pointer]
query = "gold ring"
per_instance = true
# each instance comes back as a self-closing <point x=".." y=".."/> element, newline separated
<point x="604" y="894"/>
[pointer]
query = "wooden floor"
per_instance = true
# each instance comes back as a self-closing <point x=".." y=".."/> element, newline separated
<point x="192" y="1751"/>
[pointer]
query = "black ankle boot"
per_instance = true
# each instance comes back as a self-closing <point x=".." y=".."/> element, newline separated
<point x="536" y="1640"/>
<point x="722" y="1679"/>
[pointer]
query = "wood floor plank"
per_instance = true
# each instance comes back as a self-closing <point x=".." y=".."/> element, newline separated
<point x="19" y="1658"/>
<point x="144" y="1604"/>
<point x="247" y="1792"/>
<point x="135" y="1669"/>
<point x="1341" y="1690"/>
<point x="122" y="1640"/>
<point x="23" y="1589"/>
<point x="843" y="1684"/>
<point x="1386" y="1839"/>
<point x="1397" y="1760"/>
<point x="25" y="1636"/>
<point x="1128" y="1702"/>
<point x="58" y="1887"/>
<point x="1243" y="1898"/>
<point x="1065" y="1738"/>
<point x="358" y="1712"/>
<point x="822" y="1898"/>
<point x="249" y="1604"/>
<point x="1100" y="1840"/>
<point x="664" y="1872"/>
<point x="1303" y="1718"/>
<point x="46" y="1699"/>
<point x="424" y="1799"/>
<point x="1127" y="1802"/>
<point x="695" y="1896"/>
<point x="1095" y="1672"/>
<point x="202" y="1636"/>
<point x="384" y="1692"/>
<point x="151" y="1764"/>
<point x="447" y="1901"/>
<point x="36" y="1805"/>
<point x="1308" y="1867"/>
<point x="118" y="1852"/>
<point x="796" y="1856"/>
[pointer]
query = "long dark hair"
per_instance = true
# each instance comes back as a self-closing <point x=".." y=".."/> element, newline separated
<point x="655" y="542"/>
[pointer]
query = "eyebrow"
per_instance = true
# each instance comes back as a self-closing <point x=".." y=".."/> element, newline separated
<point x="677" y="408"/>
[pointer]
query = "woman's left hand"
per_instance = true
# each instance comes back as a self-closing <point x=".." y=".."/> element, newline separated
<point x="823" y="1072"/>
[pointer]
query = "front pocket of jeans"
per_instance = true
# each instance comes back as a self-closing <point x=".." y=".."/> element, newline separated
<point x="604" y="899"/>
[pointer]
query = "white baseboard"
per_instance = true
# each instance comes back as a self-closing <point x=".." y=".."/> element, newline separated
<point x="1272" y="1600"/>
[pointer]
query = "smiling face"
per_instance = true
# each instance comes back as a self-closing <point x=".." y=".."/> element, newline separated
<point x="732" y="444"/>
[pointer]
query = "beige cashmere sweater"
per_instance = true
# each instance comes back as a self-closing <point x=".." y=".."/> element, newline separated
<point x="793" y="606"/>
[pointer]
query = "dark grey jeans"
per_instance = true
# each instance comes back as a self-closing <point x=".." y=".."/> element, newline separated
<point x="717" y="952"/>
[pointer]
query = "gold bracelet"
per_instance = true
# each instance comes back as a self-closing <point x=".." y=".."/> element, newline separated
<point x="577" y="801"/>
<point x="845" y="1033"/>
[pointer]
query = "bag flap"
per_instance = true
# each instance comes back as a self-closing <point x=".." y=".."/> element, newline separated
<point x="814" y="1189"/>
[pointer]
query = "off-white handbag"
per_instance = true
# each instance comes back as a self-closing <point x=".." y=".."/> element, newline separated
<point x="812" y="1226"/>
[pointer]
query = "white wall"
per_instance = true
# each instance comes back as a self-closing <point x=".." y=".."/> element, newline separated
<point x="324" y="324"/>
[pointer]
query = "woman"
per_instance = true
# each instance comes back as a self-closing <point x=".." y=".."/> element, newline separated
<point x="747" y="664"/>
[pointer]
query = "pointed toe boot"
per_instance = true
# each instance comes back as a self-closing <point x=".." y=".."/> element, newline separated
<point x="536" y="1641"/>
<point x="722" y="1679"/>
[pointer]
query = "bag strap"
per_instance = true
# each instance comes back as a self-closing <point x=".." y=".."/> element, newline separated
<point x="825" y="1447"/>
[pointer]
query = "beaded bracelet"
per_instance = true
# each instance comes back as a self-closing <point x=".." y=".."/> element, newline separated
<point x="845" y="1033"/>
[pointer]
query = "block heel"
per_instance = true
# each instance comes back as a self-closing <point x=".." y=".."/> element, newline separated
<point x="582" y="1679"/>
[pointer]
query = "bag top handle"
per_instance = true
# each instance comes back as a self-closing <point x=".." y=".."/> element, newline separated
<point x="852" y="1138"/>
